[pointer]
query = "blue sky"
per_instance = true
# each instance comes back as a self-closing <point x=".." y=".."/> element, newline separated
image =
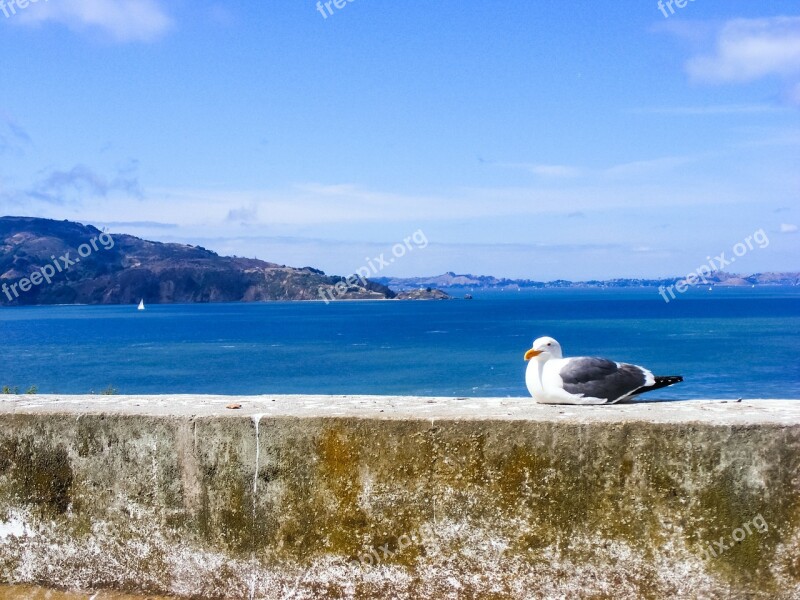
<point x="525" y="139"/>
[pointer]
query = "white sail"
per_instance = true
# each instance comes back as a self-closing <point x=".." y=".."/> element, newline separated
<point x="141" y="304"/>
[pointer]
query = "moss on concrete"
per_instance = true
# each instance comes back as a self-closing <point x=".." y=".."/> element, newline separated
<point x="39" y="475"/>
<point x="465" y="508"/>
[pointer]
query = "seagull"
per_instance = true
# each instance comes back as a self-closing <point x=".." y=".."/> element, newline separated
<point x="552" y="379"/>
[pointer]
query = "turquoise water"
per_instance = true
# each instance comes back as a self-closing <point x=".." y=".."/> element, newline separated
<point x="728" y="343"/>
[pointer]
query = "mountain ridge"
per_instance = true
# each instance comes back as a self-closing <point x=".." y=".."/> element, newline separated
<point x="88" y="266"/>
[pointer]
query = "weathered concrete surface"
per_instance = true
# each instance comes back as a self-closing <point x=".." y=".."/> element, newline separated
<point x="30" y="592"/>
<point x="439" y="498"/>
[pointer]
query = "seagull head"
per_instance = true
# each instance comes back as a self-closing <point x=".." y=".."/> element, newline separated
<point x="544" y="348"/>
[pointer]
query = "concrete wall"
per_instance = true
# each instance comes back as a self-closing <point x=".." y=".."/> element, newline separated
<point x="382" y="497"/>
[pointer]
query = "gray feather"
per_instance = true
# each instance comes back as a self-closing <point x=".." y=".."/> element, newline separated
<point x="601" y="378"/>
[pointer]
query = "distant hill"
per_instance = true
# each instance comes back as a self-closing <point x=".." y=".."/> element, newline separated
<point x="121" y="269"/>
<point x="452" y="280"/>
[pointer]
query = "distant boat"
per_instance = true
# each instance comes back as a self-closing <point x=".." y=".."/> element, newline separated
<point x="141" y="304"/>
<point x="467" y="296"/>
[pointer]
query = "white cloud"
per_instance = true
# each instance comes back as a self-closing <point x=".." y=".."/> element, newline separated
<point x="788" y="228"/>
<point x="123" y="20"/>
<point x="749" y="49"/>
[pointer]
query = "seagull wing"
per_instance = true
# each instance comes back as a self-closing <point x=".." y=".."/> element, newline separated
<point x="601" y="378"/>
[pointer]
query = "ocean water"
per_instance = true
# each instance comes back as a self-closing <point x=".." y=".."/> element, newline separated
<point x="727" y="343"/>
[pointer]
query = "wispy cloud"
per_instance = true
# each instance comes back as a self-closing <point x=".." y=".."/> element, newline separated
<point x="618" y="171"/>
<point x="788" y="228"/>
<point x="123" y="20"/>
<point x="750" y="49"/>
<point x="639" y="167"/>
<point x="244" y="215"/>
<point x="721" y="109"/>
<point x="13" y="138"/>
<point x="321" y="206"/>
<point x="80" y="183"/>
<point x="122" y="225"/>
<point x="300" y="225"/>
<point x="541" y="170"/>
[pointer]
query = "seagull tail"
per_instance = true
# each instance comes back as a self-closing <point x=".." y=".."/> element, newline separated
<point x="662" y="381"/>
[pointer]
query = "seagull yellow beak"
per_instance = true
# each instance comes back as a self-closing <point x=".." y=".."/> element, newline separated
<point x="531" y="353"/>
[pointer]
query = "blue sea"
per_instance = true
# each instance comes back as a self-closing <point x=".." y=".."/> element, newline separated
<point x="727" y="343"/>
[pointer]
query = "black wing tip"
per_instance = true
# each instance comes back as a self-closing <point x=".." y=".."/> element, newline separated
<point x="662" y="381"/>
<point x="668" y="379"/>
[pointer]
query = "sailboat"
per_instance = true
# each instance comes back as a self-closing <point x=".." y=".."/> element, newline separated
<point x="141" y="304"/>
